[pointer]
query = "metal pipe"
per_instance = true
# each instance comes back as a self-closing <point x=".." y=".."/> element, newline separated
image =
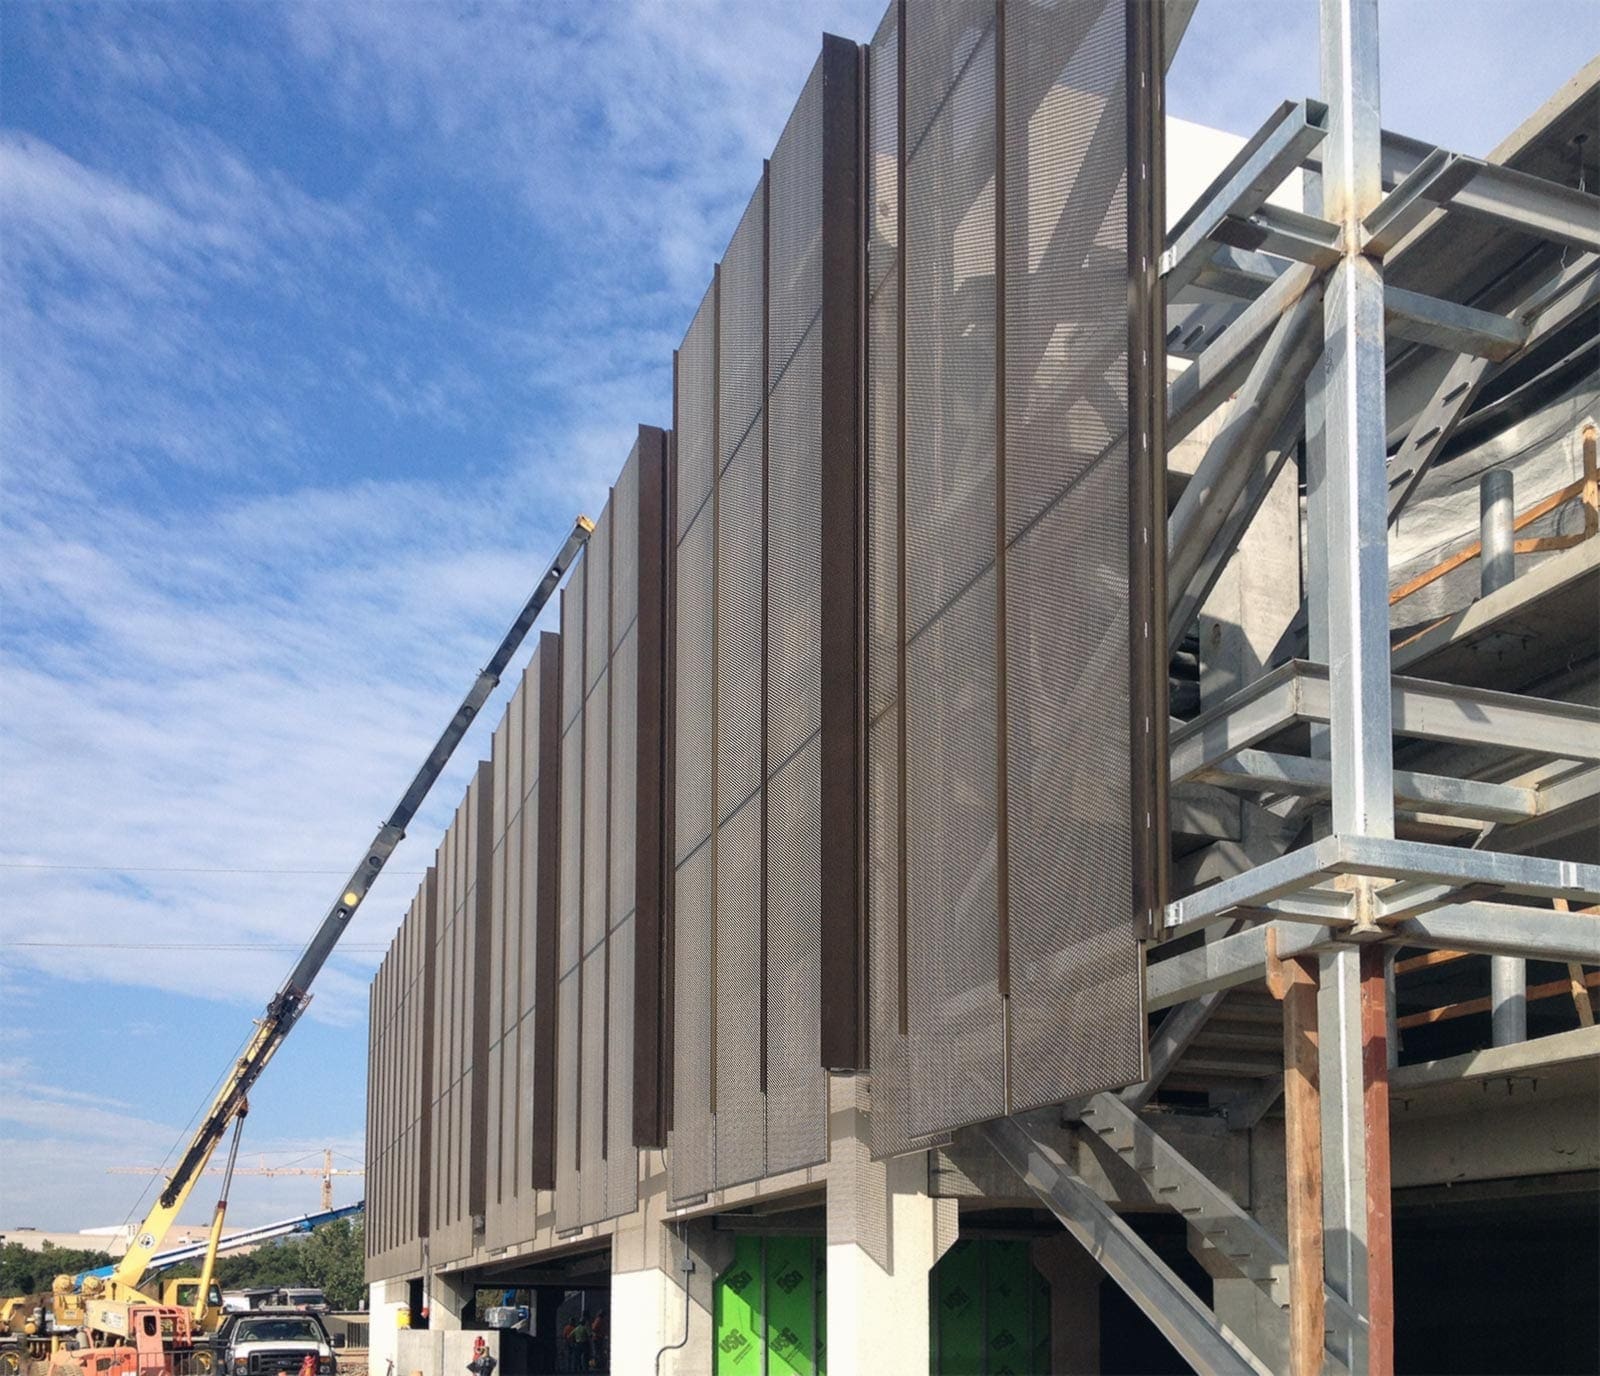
<point x="1497" y="508"/>
<point x="1496" y="517"/>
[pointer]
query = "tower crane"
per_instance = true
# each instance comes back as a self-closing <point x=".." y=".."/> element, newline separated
<point x="327" y="1170"/>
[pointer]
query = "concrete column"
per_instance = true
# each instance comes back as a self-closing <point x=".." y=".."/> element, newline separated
<point x="662" y="1279"/>
<point x="1075" y="1278"/>
<point x="885" y="1233"/>
<point x="447" y="1299"/>
<point x="388" y="1305"/>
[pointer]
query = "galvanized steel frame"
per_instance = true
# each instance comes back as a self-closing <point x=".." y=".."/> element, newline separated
<point x="1372" y="194"/>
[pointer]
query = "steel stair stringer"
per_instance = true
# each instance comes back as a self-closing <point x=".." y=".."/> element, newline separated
<point x="1170" y="1178"/>
<point x="1203" y="1340"/>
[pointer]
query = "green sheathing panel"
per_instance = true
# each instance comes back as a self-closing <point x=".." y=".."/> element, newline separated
<point x="990" y="1312"/>
<point x="737" y="1311"/>
<point x="957" y="1315"/>
<point x="791" y="1307"/>
<point x="770" y="1308"/>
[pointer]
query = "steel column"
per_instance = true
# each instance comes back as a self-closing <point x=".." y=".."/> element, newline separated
<point x="1497" y="509"/>
<point x="1355" y="585"/>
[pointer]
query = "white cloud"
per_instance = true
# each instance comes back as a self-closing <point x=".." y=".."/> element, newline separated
<point x="51" y="1133"/>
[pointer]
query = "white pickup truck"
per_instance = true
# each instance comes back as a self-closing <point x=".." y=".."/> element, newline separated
<point x="266" y="1342"/>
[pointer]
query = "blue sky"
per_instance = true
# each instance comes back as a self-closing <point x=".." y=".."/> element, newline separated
<point x="318" y="323"/>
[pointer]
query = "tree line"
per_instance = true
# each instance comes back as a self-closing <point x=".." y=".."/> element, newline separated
<point x="331" y="1258"/>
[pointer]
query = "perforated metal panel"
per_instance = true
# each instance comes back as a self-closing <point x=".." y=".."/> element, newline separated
<point x="399" y="1099"/>
<point x="624" y="707"/>
<point x="1076" y="1015"/>
<point x="528" y="1119"/>
<point x="999" y="610"/>
<point x="794" y="465"/>
<point x="460" y="1037"/>
<point x="568" y="1204"/>
<point x="620" y="1191"/>
<point x="696" y="406"/>
<point x="740" y="1106"/>
<point x="592" y="1087"/>
<point x="569" y="998"/>
<point x="692" y="1145"/>
<point x="692" y="1142"/>
<point x="796" y="1084"/>
<point x="651" y="651"/>
<point x="741" y="323"/>
<point x="955" y="1021"/>
<point x="797" y="1087"/>
<point x="740" y="1121"/>
<point x="740" y="669"/>
<point x="889" y="1123"/>
<point x="750" y="1092"/>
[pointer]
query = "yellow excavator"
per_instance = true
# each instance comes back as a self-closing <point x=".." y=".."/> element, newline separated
<point x="116" y="1324"/>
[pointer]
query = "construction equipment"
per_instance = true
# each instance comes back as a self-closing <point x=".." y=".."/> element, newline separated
<point x="327" y="1170"/>
<point x="104" y="1312"/>
<point x="248" y="1237"/>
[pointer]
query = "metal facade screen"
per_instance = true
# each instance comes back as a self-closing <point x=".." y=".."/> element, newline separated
<point x="520" y="1141"/>
<point x="398" y="1099"/>
<point x="458" y="1086"/>
<point x="694" y="750"/>
<point x="752" y="428"/>
<point x="1005" y="576"/>
<point x="597" y="1165"/>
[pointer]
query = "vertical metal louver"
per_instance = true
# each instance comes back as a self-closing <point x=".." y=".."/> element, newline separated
<point x="691" y="1141"/>
<point x="766" y="418"/>
<point x="796" y="1085"/>
<point x="740" y="680"/>
<point x="569" y="990"/>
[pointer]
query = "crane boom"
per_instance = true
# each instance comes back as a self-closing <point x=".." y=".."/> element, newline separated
<point x="290" y="1001"/>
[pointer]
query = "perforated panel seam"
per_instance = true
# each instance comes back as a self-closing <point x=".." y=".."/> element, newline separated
<point x="766" y="495"/>
<point x="902" y="257"/>
<point x="605" y="911"/>
<point x="1002" y="809"/>
<point x="716" y="550"/>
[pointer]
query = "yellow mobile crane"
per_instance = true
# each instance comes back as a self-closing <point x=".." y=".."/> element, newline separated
<point x="108" y="1324"/>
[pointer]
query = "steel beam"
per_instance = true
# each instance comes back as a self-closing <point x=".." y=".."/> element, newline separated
<point x="1284" y="232"/>
<point x="1481" y="716"/>
<point x="1242" y="188"/>
<point x="1448" y="326"/>
<point x="1430" y="184"/>
<point x="1256" y="420"/>
<point x="1427" y="874"/>
<point x="1260" y="478"/>
<point x="1243" y="275"/>
<point x="1168" y="1043"/>
<point x="1196" y="1333"/>
<point x="1550" y="309"/>
<point x="1223" y="365"/>
<point x="1478" y="928"/>
<point x="1533" y="205"/>
<point x="1419" y="708"/>
<point x="1505" y="929"/>
<point x="1225" y="962"/>
<point x="1269" y="772"/>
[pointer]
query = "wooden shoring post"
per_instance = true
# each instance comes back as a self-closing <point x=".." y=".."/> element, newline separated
<point x="1374" y="994"/>
<point x="1575" y="977"/>
<point x="1293" y="983"/>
